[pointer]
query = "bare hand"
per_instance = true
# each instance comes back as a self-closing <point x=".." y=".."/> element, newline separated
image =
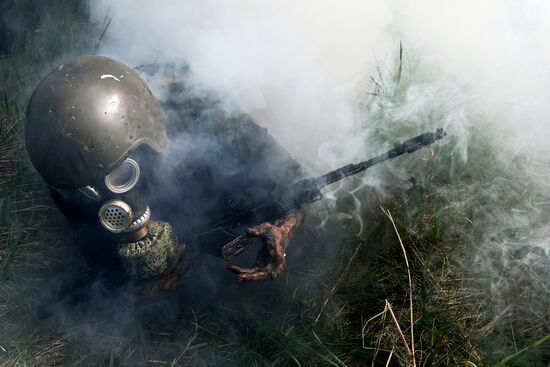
<point x="270" y="262"/>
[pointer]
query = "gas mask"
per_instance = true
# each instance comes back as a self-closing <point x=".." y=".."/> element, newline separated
<point x="122" y="212"/>
<point x="116" y="200"/>
<point x="146" y="247"/>
<point x="86" y="123"/>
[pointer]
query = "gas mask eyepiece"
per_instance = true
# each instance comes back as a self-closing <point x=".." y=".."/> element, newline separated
<point x="124" y="177"/>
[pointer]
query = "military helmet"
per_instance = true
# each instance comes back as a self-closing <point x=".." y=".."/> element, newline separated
<point x="85" y="117"/>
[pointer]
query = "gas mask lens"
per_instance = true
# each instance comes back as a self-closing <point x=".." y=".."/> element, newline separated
<point x="124" y="177"/>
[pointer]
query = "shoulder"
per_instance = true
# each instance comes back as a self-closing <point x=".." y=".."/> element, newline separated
<point x="217" y="128"/>
<point x="190" y="108"/>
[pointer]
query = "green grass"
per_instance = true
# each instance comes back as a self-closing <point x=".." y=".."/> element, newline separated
<point x="468" y="199"/>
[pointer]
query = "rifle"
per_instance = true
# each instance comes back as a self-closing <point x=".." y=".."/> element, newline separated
<point x="284" y="201"/>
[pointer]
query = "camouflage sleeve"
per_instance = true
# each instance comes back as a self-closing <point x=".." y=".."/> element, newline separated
<point x="244" y="160"/>
<point x="152" y="255"/>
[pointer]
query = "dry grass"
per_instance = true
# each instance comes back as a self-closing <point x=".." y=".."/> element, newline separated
<point x="399" y="295"/>
<point x="411" y="351"/>
<point x="448" y="337"/>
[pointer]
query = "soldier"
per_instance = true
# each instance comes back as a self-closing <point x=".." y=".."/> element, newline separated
<point x="139" y="184"/>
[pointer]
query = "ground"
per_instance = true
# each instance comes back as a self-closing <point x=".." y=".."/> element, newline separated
<point x="427" y="260"/>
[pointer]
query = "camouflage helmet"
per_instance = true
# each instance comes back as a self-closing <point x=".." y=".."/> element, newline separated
<point x="85" y="117"/>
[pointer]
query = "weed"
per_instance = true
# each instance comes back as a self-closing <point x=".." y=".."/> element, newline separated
<point x="404" y="291"/>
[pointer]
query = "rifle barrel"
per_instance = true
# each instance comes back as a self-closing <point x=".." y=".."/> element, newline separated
<point x="306" y="191"/>
<point x="408" y="146"/>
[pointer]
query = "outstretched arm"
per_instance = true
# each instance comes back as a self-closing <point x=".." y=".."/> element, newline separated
<point x="271" y="262"/>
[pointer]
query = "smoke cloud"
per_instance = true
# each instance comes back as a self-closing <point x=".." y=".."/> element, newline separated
<point x="302" y="68"/>
<point x="292" y="66"/>
<point x="298" y="68"/>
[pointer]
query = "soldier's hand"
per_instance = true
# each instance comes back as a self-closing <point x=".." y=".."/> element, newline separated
<point x="270" y="262"/>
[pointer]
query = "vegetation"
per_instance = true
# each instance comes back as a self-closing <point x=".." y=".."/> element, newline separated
<point x="431" y="260"/>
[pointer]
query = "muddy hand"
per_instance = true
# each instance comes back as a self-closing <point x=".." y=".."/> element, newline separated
<point x="270" y="262"/>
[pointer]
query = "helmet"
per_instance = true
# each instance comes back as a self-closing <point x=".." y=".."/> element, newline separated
<point x="85" y="117"/>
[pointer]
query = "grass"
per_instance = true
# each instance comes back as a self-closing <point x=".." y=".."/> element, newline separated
<point x="433" y="284"/>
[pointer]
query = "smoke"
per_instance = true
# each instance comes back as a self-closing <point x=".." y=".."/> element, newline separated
<point x="303" y="70"/>
<point x="300" y="68"/>
<point x="292" y="66"/>
<point x="297" y="67"/>
<point x="498" y="50"/>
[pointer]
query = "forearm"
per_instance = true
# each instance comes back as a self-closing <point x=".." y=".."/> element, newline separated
<point x="290" y="223"/>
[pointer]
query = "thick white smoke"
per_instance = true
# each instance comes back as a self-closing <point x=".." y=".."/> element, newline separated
<point x="498" y="49"/>
<point x="298" y="67"/>
<point x="295" y="65"/>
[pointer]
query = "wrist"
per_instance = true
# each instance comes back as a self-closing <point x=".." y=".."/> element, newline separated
<point x="292" y="221"/>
